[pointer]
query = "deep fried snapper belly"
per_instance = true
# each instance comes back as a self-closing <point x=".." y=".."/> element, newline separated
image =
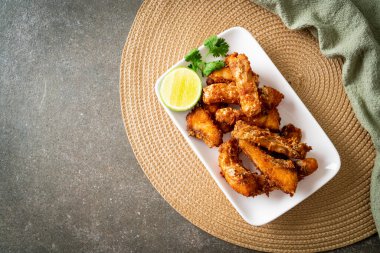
<point x="266" y="119"/>
<point x="220" y="93"/>
<point x="201" y="126"/>
<point x="271" y="141"/>
<point x="280" y="172"/>
<point x="246" y="83"/>
<point x="239" y="178"/>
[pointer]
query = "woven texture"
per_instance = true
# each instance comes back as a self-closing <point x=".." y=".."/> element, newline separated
<point x="163" y="32"/>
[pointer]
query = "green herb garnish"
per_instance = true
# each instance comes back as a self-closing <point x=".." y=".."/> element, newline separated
<point x="216" y="46"/>
<point x="211" y="66"/>
<point x="195" y="58"/>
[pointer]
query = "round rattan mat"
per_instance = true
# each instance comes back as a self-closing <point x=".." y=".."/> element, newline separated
<point x="162" y="33"/>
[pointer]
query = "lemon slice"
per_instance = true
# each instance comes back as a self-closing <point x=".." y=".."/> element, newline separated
<point x="181" y="89"/>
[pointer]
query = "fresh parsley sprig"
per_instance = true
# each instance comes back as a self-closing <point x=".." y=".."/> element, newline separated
<point x="217" y="47"/>
<point x="195" y="57"/>
<point x="211" y="66"/>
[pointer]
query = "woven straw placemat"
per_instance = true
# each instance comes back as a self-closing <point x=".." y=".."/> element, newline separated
<point x="162" y="33"/>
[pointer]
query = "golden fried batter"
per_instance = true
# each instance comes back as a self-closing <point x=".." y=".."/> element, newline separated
<point x="222" y="75"/>
<point x="239" y="178"/>
<point x="289" y="131"/>
<point x="306" y="167"/>
<point x="280" y="172"/>
<point x="270" y="97"/>
<point x="266" y="119"/>
<point x="228" y="115"/>
<point x="201" y="126"/>
<point x="212" y="109"/>
<point x="265" y="185"/>
<point x="246" y="83"/>
<point x="220" y="93"/>
<point x="271" y="141"/>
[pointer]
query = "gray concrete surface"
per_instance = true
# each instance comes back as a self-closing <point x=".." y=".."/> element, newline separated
<point x="69" y="181"/>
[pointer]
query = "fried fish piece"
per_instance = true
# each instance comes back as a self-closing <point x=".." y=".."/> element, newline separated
<point x="271" y="141"/>
<point x="266" y="119"/>
<point x="212" y="109"/>
<point x="280" y="172"/>
<point x="289" y="131"/>
<point x="201" y="126"/>
<point x="220" y="93"/>
<point x="305" y="167"/>
<point x="239" y="178"/>
<point x="228" y="115"/>
<point x="228" y="92"/>
<point x="222" y="75"/>
<point x="246" y="82"/>
<point x="270" y="97"/>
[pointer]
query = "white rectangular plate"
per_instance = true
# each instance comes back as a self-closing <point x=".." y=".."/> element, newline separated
<point x="262" y="209"/>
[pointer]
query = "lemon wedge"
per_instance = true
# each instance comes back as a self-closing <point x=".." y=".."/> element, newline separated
<point x="181" y="89"/>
